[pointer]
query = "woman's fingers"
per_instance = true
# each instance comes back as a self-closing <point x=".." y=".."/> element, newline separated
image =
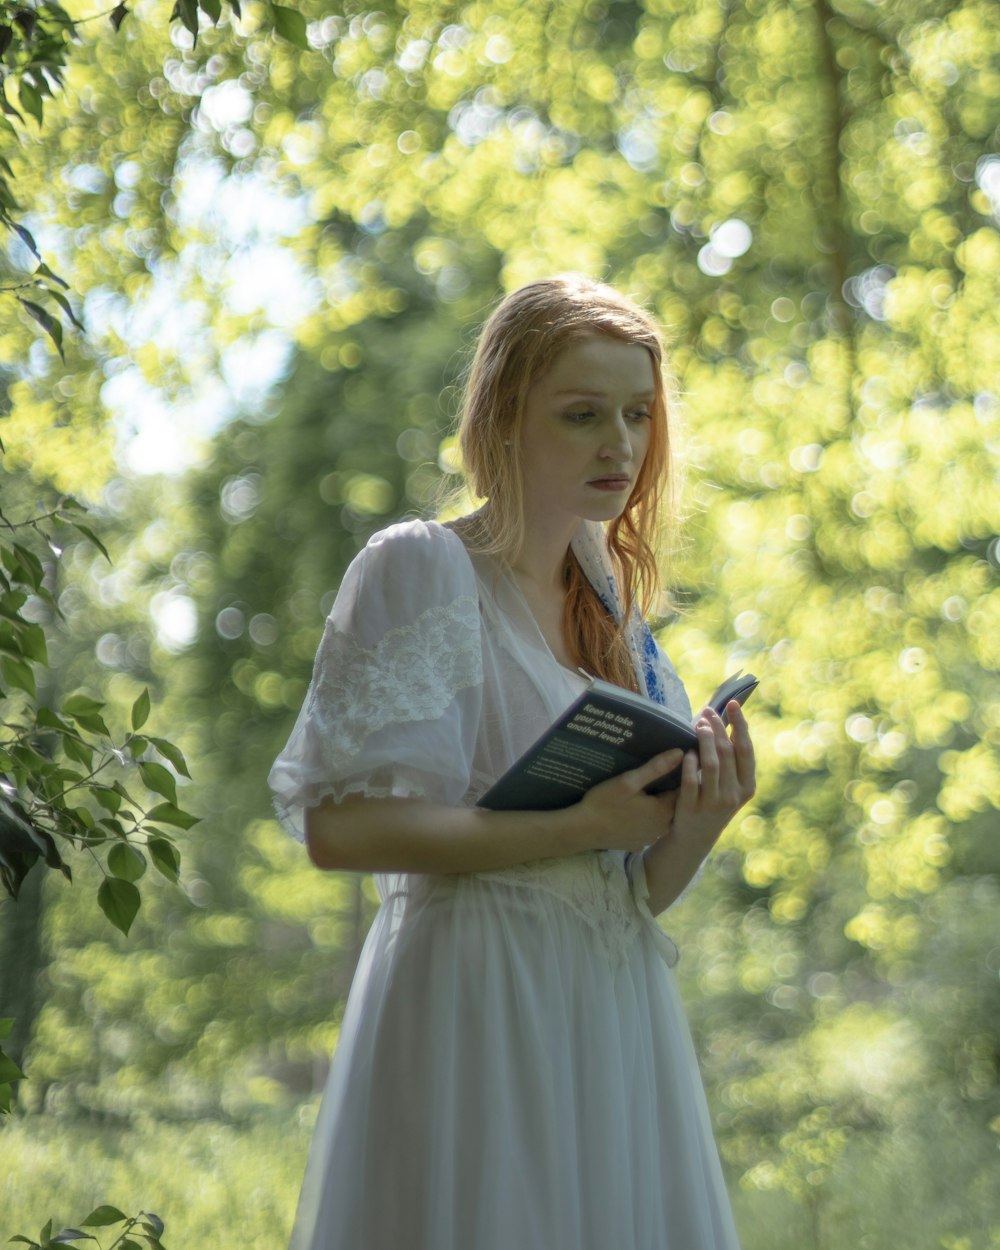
<point x="655" y="768"/>
<point x="746" y="764"/>
<point x="708" y="753"/>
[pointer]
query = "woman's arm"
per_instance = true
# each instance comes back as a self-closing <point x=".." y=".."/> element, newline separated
<point x="410" y="835"/>
<point x="704" y="807"/>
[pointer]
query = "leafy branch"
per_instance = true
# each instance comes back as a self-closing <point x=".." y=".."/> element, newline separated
<point x="145" y="1226"/>
<point x="36" y="41"/>
<point x="56" y="782"/>
<point x="63" y="772"/>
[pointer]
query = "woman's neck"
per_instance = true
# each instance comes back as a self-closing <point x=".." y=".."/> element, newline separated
<point x="542" y="557"/>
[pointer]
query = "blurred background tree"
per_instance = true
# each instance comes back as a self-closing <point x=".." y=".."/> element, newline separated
<point x="283" y="254"/>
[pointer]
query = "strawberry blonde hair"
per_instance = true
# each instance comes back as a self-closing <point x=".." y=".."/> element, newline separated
<point x="518" y="344"/>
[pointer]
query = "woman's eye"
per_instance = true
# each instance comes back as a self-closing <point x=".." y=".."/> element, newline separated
<point x="640" y="414"/>
<point x="582" y="414"/>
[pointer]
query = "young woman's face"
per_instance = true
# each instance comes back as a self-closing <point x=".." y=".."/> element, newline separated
<point x="586" y="431"/>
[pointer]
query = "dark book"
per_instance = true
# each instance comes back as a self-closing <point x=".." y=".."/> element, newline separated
<point x="607" y="731"/>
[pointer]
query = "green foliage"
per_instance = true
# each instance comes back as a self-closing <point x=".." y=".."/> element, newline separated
<point x="61" y="769"/>
<point x="246" y="1178"/>
<point x="144" y="1229"/>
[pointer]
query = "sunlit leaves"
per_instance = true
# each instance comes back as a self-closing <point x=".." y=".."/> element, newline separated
<point x="165" y="857"/>
<point x="119" y="900"/>
<point x="140" y="710"/>
<point x="290" y="25"/>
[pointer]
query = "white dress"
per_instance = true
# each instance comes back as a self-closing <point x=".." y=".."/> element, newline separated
<point x="514" y="1069"/>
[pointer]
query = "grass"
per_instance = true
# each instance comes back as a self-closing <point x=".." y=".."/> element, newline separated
<point x="215" y="1186"/>
<point x="233" y="1187"/>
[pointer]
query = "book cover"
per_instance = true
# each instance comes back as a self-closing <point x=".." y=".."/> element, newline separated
<point x="606" y="731"/>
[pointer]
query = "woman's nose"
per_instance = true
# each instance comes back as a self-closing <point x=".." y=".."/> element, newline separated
<point x="617" y="444"/>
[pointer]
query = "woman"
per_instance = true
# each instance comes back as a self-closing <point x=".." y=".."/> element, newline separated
<point x="514" y="1068"/>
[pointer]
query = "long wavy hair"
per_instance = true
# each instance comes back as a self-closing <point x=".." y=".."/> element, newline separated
<point x="519" y="342"/>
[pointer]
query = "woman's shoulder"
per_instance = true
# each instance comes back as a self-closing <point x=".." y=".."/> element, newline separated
<point x="414" y="538"/>
<point x="424" y="558"/>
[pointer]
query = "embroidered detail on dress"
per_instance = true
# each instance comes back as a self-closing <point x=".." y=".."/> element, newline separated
<point x="412" y="674"/>
<point x="593" y="885"/>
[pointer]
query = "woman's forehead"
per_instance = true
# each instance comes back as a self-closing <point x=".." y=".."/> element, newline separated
<point x="598" y="365"/>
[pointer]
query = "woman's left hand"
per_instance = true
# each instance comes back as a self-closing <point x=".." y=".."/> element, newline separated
<point x="716" y="781"/>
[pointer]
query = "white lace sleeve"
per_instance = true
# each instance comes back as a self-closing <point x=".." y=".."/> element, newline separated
<point x="393" y="706"/>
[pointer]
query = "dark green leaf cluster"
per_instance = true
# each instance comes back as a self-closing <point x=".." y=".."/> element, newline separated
<point x="61" y="771"/>
<point x="34" y="47"/>
<point x="144" y="1229"/>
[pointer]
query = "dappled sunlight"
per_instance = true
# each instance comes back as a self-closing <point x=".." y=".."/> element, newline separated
<point x="281" y="254"/>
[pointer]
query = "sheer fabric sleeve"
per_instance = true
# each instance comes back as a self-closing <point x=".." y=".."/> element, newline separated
<point x="394" y="702"/>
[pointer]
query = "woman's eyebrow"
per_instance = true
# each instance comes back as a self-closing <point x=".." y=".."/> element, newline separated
<point x="586" y="394"/>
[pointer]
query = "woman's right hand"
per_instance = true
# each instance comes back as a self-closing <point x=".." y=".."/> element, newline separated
<point x="619" y="815"/>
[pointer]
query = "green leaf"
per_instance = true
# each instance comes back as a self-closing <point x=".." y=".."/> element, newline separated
<point x="118" y="15"/>
<point x="68" y="1235"/>
<point x="171" y="753"/>
<point x="119" y="900"/>
<point x="17" y="674"/>
<point x="84" y="818"/>
<point x="9" y="1071"/>
<point x="89" y="534"/>
<point x="43" y="271"/>
<point x="93" y="722"/>
<point x="101" y="1217"/>
<point x="27" y="1241"/>
<point x="78" y="751"/>
<point x="158" y="779"/>
<point x="153" y="1223"/>
<point x="213" y="8"/>
<point x="49" y="720"/>
<point x="34" y="571"/>
<point x="168" y="814"/>
<point x="187" y="11"/>
<point x="64" y="304"/>
<point x="290" y="25"/>
<point x="108" y="799"/>
<point x="11" y="604"/>
<point x="48" y="323"/>
<point x="140" y="710"/>
<point x="31" y="102"/>
<point x="33" y="644"/>
<point x="11" y="111"/>
<point x="165" y="857"/>
<point x="126" y="862"/>
<point x="80" y="704"/>
<point x="126" y="1243"/>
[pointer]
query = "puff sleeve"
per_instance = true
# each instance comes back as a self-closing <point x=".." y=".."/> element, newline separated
<point x="394" y="703"/>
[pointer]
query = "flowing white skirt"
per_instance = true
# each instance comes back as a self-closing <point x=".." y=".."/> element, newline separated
<point x="514" y="1072"/>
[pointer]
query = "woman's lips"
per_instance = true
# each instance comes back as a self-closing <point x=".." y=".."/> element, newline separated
<point x="612" y="482"/>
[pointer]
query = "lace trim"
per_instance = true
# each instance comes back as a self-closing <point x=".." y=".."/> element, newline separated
<point x="292" y="814"/>
<point x="412" y="674"/>
<point x="595" y="887"/>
